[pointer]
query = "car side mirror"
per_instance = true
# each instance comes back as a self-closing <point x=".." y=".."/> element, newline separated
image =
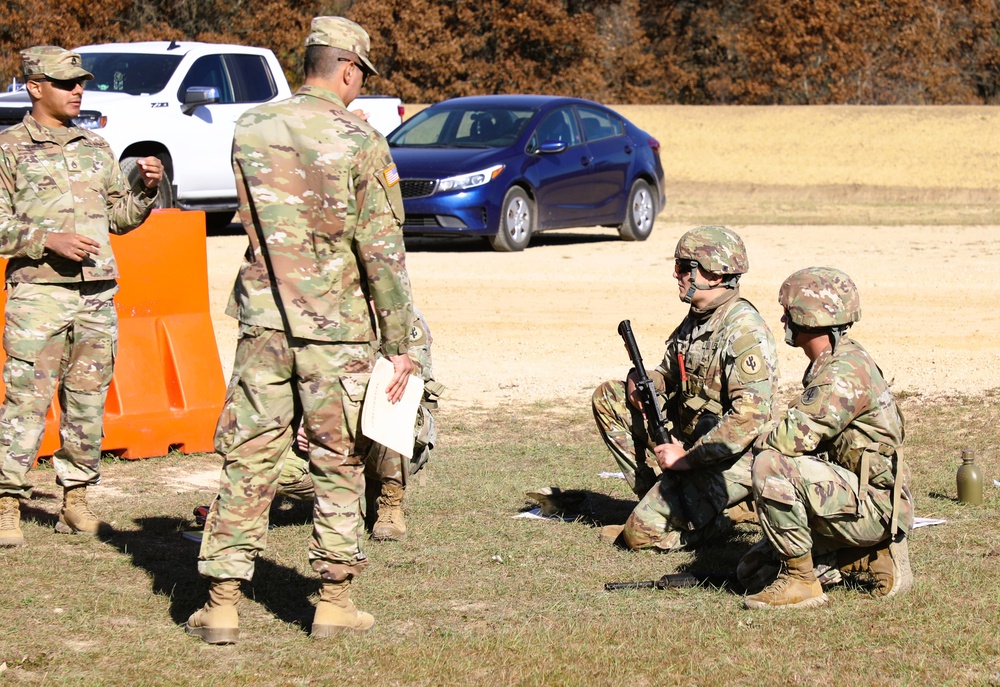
<point x="196" y="96"/>
<point x="550" y="147"/>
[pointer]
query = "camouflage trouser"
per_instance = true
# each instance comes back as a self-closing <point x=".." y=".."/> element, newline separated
<point x="686" y="508"/>
<point x="677" y="509"/>
<point x="382" y="465"/>
<point x="624" y="431"/>
<point x="275" y="383"/>
<point x="804" y="498"/>
<point x="57" y="336"/>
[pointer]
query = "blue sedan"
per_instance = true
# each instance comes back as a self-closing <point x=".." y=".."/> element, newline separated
<point x="508" y="166"/>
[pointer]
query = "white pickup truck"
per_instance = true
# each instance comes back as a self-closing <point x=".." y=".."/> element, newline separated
<point x="180" y="101"/>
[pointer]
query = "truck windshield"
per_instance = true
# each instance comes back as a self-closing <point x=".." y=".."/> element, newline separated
<point x="131" y="73"/>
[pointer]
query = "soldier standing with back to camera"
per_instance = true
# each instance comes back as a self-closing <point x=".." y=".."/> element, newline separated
<point x="715" y="385"/>
<point x="320" y="202"/>
<point x="830" y="477"/>
<point x="61" y="194"/>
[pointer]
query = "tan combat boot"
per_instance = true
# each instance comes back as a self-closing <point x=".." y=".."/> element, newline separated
<point x="796" y="587"/>
<point x="336" y="613"/>
<point x="611" y="534"/>
<point x="10" y="522"/>
<point x="887" y="565"/>
<point x="218" y="622"/>
<point x="390" y="524"/>
<point x="744" y="511"/>
<point x="76" y="516"/>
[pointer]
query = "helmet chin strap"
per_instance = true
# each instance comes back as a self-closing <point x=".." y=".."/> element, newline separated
<point x="695" y="286"/>
<point x="835" y="333"/>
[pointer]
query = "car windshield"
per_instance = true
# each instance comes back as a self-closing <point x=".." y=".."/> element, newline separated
<point x="473" y="127"/>
<point x="131" y="73"/>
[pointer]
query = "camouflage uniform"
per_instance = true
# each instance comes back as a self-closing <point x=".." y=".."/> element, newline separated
<point x="828" y="475"/>
<point x="382" y="464"/>
<point x="320" y="200"/>
<point x="715" y="385"/>
<point x="61" y="327"/>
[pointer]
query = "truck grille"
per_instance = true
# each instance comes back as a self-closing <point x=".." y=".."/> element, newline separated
<point x="417" y="188"/>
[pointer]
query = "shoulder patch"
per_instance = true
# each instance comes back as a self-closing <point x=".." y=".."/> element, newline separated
<point x="390" y="174"/>
<point x="810" y="397"/>
<point x="751" y="366"/>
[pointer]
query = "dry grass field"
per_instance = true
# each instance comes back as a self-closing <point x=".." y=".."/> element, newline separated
<point x="904" y="199"/>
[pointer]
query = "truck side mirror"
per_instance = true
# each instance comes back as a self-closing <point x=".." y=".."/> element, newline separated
<point x="196" y="96"/>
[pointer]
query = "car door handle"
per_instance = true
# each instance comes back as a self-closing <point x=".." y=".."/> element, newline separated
<point x="586" y="160"/>
<point x="628" y="149"/>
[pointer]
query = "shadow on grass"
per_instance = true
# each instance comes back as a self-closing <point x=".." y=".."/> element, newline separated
<point x="172" y="562"/>
<point x="589" y="507"/>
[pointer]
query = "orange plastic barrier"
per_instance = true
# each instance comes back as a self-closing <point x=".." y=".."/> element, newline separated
<point x="168" y="386"/>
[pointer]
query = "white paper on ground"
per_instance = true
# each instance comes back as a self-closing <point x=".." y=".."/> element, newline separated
<point x="927" y="522"/>
<point x="536" y="514"/>
<point x="390" y="424"/>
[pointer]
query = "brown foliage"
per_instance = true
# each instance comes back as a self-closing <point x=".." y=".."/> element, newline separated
<point x="678" y="51"/>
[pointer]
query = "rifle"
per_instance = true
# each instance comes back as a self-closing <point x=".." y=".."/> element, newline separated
<point x="644" y="385"/>
<point x="674" y="581"/>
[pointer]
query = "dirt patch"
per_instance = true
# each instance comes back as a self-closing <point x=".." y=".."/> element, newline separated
<point x="802" y="186"/>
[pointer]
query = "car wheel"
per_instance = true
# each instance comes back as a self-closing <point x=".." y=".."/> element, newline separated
<point x="639" y="213"/>
<point x="165" y="195"/>
<point x="517" y="222"/>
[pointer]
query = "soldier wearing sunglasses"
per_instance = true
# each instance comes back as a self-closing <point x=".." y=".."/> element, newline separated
<point x="61" y="195"/>
<point x="715" y="387"/>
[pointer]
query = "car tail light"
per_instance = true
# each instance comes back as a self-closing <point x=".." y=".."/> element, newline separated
<point x="402" y="111"/>
<point x="655" y="145"/>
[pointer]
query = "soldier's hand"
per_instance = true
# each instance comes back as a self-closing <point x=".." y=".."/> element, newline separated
<point x="72" y="246"/>
<point x="402" y="366"/>
<point x="671" y="456"/>
<point x="632" y="393"/>
<point x="150" y="171"/>
<point x="361" y="114"/>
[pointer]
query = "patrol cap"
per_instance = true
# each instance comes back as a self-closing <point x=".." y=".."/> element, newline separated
<point x="53" y="62"/>
<point x="338" y="32"/>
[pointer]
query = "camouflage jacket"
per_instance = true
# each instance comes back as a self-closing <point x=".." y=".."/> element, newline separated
<point x="845" y="411"/>
<point x="62" y="182"/>
<point x="720" y="398"/>
<point x="320" y="202"/>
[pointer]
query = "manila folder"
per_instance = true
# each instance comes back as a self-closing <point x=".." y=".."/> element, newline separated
<point x="390" y="424"/>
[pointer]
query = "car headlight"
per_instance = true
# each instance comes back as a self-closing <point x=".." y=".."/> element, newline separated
<point x="483" y="176"/>
<point x="90" y="120"/>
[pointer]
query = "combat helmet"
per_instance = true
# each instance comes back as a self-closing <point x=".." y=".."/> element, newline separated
<point x="819" y="298"/>
<point x="716" y="249"/>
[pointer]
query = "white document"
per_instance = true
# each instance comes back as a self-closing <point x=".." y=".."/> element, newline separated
<point x="390" y="424"/>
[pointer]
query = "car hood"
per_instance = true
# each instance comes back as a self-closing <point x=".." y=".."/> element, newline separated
<point x="99" y="99"/>
<point x="436" y="163"/>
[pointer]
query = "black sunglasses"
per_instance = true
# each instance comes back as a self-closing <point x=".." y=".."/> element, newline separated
<point x="684" y="266"/>
<point x="364" y="72"/>
<point x="63" y="84"/>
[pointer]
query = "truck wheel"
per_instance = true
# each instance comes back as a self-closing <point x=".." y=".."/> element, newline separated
<point x="217" y="221"/>
<point x="639" y="213"/>
<point x="517" y="222"/>
<point x="165" y="195"/>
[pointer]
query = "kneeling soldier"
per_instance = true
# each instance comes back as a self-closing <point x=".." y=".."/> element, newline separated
<point x="830" y="474"/>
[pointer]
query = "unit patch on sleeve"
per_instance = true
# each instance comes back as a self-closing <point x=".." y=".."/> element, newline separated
<point x="391" y="175"/>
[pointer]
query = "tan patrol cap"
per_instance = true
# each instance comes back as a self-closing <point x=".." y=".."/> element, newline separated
<point x="338" y="32"/>
<point x="53" y="62"/>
